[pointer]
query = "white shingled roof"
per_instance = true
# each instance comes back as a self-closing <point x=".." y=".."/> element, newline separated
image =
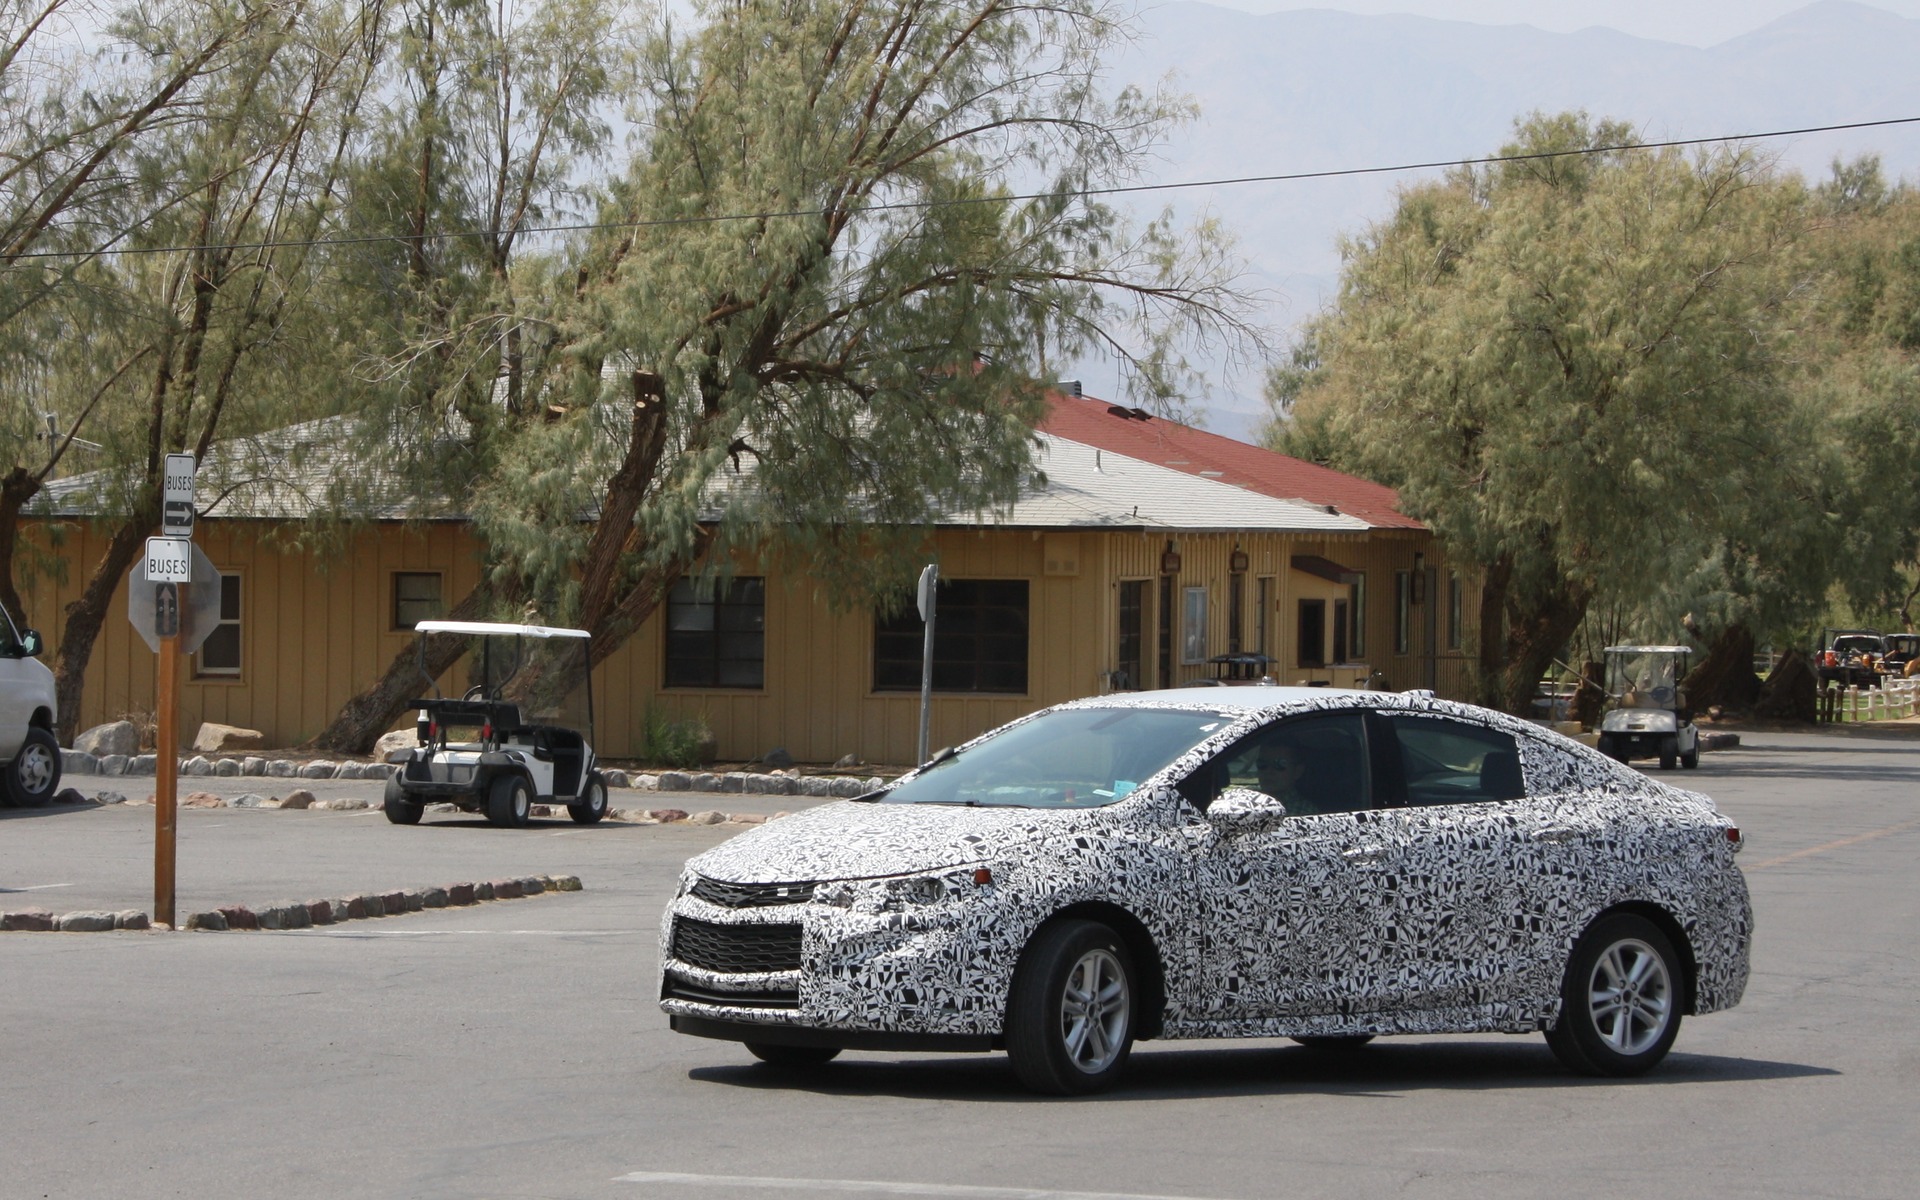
<point x="286" y="476"/>
<point x="1088" y="488"/>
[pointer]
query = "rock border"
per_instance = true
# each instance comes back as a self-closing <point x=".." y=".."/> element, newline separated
<point x="292" y="914"/>
<point x="757" y="783"/>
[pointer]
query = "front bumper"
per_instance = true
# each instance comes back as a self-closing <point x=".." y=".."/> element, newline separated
<point x="848" y="977"/>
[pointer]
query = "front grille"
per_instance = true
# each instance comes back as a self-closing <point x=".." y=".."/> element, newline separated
<point x="736" y="949"/>
<point x="751" y="895"/>
<point x="677" y="988"/>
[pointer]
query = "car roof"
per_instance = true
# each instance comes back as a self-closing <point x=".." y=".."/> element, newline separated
<point x="1252" y="698"/>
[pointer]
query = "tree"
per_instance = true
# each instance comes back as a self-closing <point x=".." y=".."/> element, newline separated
<point x="818" y="312"/>
<point x="210" y="292"/>
<point x="71" y="128"/>
<point x="1577" y="370"/>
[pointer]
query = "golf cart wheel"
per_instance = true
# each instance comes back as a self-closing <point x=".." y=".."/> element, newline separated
<point x="1606" y="746"/>
<point x="592" y="805"/>
<point x="509" y="801"/>
<point x="1669" y="753"/>
<point x="400" y="808"/>
<point x="1690" y="759"/>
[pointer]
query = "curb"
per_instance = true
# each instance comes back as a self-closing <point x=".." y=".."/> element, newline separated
<point x="298" y="914"/>
<point x="757" y="783"/>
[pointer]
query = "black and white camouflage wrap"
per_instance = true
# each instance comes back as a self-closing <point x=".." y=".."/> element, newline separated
<point x="1394" y="920"/>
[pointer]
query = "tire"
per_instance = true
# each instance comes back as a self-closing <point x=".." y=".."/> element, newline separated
<point x="1669" y="753"/>
<point x="34" y="774"/>
<point x="1605" y="746"/>
<point x="1690" y="759"/>
<point x="793" y="1056"/>
<point x="401" y="809"/>
<point x="1070" y="1021"/>
<point x="593" y="803"/>
<point x="509" y="801"/>
<point x="1337" y="1041"/>
<point x="1605" y="1028"/>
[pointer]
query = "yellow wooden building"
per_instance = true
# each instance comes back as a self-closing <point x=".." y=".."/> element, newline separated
<point x="1156" y="555"/>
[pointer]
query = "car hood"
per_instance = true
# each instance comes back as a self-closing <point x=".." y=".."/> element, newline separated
<point x="852" y="840"/>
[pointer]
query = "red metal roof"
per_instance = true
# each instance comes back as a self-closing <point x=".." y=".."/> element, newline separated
<point x="1134" y="433"/>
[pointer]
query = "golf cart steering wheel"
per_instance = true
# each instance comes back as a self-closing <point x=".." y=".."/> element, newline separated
<point x="1663" y="696"/>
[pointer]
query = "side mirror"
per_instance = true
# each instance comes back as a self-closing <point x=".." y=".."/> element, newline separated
<point x="30" y="644"/>
<point x="1243" y="810"/>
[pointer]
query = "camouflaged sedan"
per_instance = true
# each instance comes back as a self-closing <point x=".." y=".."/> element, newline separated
<point x="1221" y="862"/>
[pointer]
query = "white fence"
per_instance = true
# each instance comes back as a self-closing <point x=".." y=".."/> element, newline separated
<point x="1893" y="699"/>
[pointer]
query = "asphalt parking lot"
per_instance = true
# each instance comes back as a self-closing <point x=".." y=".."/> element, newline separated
<point x="511" y="1049"/>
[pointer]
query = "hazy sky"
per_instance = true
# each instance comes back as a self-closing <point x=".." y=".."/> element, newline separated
<point x="1694" y="22"/>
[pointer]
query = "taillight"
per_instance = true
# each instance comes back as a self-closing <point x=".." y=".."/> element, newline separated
<point x="1733" y="835"/>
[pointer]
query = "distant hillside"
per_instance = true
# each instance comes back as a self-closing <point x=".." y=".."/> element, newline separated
<point x="1318" y="90"/>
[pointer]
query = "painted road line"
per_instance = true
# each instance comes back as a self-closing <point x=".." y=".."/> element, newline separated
<point x="420" y="933"/>
<point x="1823" y="848"/>
<point x="38" y="887"/>
<point x="876" y="1187"/>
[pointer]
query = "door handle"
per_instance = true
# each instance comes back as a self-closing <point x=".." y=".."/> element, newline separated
<point x="1362" y="855"/>
<point x="1558" y="835"/>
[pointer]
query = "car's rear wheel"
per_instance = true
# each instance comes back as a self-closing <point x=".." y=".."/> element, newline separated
<point x="592" y="805"/>
<point x="1621" y="999"/>
<point x="34" y="774"/>
<point x="1341" y="1041"/>
<point x="400" y="808"/>
<point x="793" y="1056"/>
<point x="509" y="801"/>
<point x="1070" y="1020"/>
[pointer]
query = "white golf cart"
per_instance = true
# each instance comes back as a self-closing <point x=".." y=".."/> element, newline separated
<point x="513" y="739"/>
<point x="1647" y="714"/>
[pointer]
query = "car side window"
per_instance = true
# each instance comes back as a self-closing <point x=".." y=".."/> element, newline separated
<point x="1447" y="761"/>
<point x="1313" y="765"/>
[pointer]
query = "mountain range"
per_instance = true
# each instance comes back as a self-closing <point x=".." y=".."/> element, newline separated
<point x="1316" y="90"/>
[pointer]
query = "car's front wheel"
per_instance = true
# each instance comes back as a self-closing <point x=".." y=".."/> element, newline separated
<point x="1070" y="1020"/>
<point x="1621" y="999"/>
<point x="34" y="774"/>
<point x="509" y="801"/>
<point x="793" y="1056"/>
<point x="400" y="808"/>
<point x="592" y="802"/>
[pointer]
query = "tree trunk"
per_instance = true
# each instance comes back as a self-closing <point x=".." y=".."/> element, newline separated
<point x="1725" y="676"/>
<point x="15" y="490"/>
<point x="84" y="619"/>
<point x="1535" y="640"/>
<point x="361" y="720"/>
<point x="1493" y="642"/>
<point x="1788" y="694"/>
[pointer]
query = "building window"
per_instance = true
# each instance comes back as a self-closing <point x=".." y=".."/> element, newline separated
<point x="220" y="654"/>
<point x="1357" y="635"/>
<point x="979" y="640"/>
<point x="416" y="598"/>
<point x="717" y="640"/>
<point x="1453" y="610"/>
<point x="1133" y="603"/>
<point x="1311" y="644"/>
<point x="1402" y="612"/>
<point x="1193" y="626"/>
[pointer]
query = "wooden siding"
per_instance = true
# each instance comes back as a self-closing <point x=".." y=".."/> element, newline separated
<point x="315" y="632"/>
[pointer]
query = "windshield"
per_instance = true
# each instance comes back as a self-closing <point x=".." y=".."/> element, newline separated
<point x="1068" y="758"/>
<point x="1642" y="680"/>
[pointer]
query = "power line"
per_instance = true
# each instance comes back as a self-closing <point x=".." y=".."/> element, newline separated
<point x="922" y="205"/>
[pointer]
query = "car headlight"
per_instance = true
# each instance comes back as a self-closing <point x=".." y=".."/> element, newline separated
<point x="900" y="892"/>
<point x="687" y="880"/>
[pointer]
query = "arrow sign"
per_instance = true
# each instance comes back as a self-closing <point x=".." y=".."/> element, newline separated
<point x="176" y="496"/>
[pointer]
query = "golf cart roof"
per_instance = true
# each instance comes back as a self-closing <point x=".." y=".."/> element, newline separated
<point x="1649" y="649"/>
<point x="490" y="628"/>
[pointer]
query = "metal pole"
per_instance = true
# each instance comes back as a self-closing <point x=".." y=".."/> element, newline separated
<point x="929" y="584"/>
<point x="166" y="767"/>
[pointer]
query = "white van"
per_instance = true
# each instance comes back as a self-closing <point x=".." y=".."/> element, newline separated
<point x="29" y="751"/>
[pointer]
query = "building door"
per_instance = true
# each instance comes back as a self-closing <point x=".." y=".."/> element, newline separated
<point x="1165" y="676"/>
